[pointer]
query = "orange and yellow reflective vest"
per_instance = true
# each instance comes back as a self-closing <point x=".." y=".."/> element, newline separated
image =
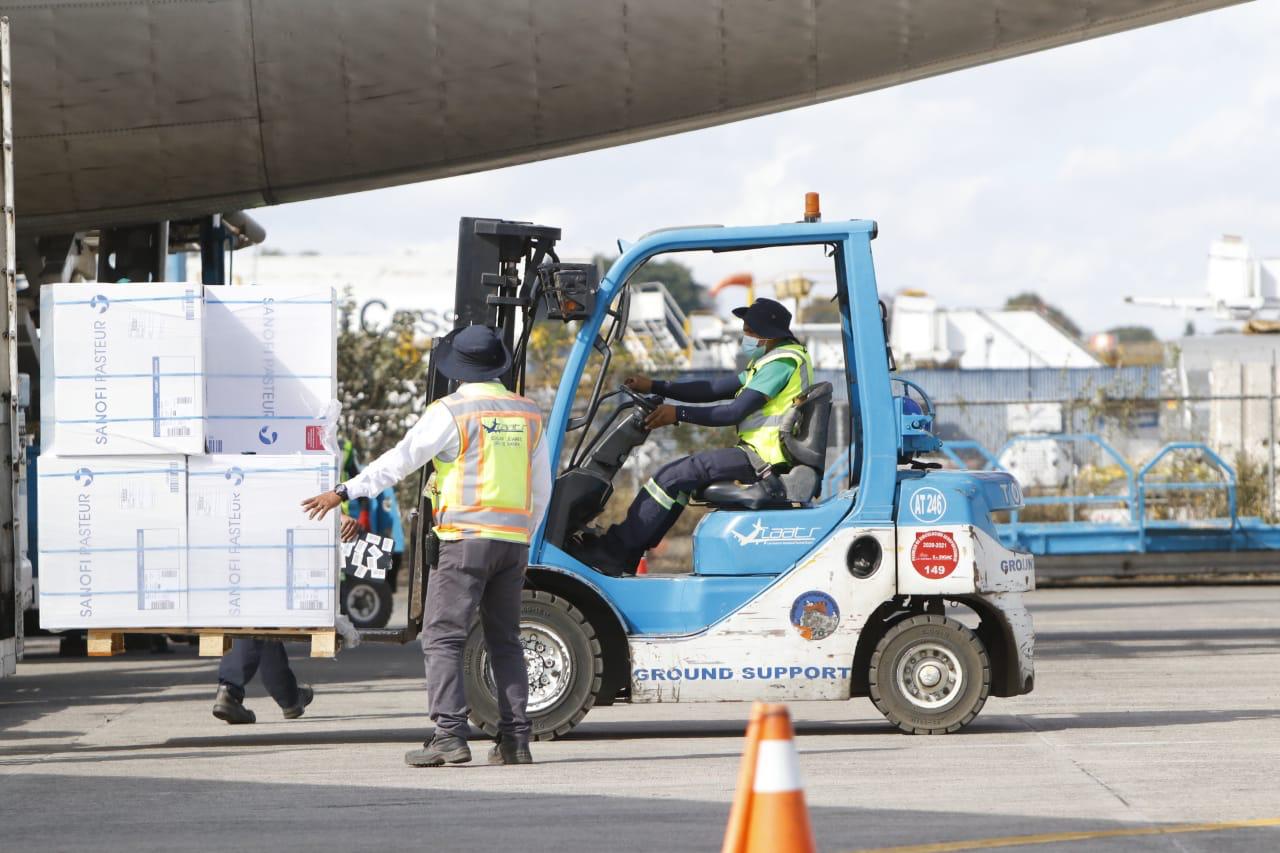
<point x="486" y="491"/>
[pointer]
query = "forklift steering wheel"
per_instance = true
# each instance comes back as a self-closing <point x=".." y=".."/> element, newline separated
<point x="647" y="403"/>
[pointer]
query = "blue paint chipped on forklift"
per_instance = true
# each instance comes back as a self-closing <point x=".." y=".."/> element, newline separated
<point x="790" y="597"/>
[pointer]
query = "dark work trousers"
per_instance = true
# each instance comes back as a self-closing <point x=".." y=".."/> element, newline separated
<point x="488" y="575"/>
<point x="246" y="657"/>
<point x="663" y="498"/>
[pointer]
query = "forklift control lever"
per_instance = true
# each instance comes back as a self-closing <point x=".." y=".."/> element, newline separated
<point x="646" y="402"/>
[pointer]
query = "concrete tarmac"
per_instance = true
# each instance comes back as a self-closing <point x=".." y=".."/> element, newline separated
<point x="1155" y="708"/>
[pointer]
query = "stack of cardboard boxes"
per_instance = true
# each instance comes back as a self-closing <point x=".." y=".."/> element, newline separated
<point x="181" y="427"/>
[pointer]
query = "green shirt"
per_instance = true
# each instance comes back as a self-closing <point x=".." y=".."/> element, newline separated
<point x="772" y="378"/>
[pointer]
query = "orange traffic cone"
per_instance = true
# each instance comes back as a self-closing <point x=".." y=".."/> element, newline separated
<point x="642" y="567"/>
<point x="769" y="814"/>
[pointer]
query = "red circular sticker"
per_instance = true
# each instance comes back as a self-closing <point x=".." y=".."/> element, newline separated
<point x="935" y="554"/>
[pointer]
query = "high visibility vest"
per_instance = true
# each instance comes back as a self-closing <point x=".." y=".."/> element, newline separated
<point x="485" y="493"/>
<point x="762" y="431"/>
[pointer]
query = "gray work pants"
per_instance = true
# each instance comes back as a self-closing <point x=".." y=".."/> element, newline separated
<point x="488" y="575"/>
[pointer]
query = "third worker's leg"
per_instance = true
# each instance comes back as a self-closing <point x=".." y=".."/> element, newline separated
<point x="500" y="618"/>
<point x="278" y="678"/>
<point x="237" y="668"/>
<point x="664" y="496"/>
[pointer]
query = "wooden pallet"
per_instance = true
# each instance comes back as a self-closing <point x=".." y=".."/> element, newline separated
<point x="215" y="642"/>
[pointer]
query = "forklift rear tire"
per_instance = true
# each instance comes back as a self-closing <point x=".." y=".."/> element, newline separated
<point x="930" y="675"/>
<point x="565" y="661"/>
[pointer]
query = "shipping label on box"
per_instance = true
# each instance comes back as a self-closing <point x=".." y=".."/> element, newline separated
<point x="255" y="559"/>
<point x="271" y="369"/>
<point x="121" y="369"/>
<point x="112" y="534"/>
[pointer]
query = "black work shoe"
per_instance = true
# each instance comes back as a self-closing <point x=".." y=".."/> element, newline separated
<point x="229" y="709"/>
<point x="440" y="749"/>
<point x="605" y="556"/>
<point x="305" y="695"/>
<point x="510" y="751"/>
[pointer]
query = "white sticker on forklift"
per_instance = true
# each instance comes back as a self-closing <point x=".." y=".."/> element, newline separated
<point x="748" y="673"/>
<point x="928" y="505"/>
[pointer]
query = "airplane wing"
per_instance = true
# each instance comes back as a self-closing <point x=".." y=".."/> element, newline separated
<point x="142" y="111"/>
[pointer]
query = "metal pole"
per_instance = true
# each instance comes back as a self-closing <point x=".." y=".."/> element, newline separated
<point x="1242" y="407"/>
<point x="12" y="599"/>
<point x="1271" y="440"/>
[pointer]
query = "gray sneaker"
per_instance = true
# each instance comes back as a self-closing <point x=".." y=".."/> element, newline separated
<point x="510" y="751"/>
<point x="441" y="749"/>
<point x="305" y="695"/>
<point x="229" y="709"/>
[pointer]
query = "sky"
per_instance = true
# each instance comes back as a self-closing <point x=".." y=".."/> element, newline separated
<point x="1085" y="173"/>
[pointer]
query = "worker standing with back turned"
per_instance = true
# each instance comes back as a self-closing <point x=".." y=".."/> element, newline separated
<point x="492" y="483"/>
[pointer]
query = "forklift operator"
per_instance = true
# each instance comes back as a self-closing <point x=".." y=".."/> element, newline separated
<point x="779" y="371"/>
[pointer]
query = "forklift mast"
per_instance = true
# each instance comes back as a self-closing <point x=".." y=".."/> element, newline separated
<point x="493" y="290"/>
<point x="506" y="272"/>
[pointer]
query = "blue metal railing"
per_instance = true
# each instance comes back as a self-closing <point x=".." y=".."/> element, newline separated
<point x="1228" y="483"/>
<point x="1138" y="486"/>
<point x="1126" y="499"/>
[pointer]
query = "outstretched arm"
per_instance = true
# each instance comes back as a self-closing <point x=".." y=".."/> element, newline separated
<point x="699" y="390"/>
<point x="434" y="433"/>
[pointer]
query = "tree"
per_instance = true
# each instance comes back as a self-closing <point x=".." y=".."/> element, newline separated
<point x="1132" y="334"/>
<point x="1030" y="301"/>
<point x="689" y="294"/>
<point x="1189" y="330"/>
<point x="381" y="386"/>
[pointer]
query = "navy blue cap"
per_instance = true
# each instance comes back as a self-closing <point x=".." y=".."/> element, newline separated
<point x="472" y="354"/>
<point x="767" y="318"/>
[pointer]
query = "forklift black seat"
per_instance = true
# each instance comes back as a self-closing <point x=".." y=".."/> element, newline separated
<point x="804" y="438"/>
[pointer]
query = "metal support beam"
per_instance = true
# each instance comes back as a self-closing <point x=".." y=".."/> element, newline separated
<point x="12" y="599"/>
<point x="213" y="250"/>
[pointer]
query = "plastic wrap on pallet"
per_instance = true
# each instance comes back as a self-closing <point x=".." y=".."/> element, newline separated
<point x="112" y="541"/>
<point x="271" y="369"/>
<point x="121" y="369"/>
<point x="255" y="559"/>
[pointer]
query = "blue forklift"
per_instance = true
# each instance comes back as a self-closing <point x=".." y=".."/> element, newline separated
<point x="788" y="597"/>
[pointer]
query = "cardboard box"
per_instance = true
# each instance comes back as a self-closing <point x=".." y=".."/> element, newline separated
<point x="112" y="540"/>
<point x="270" y="368"/>
<point x="121" y="369"/>
<point x="255" y="559"/>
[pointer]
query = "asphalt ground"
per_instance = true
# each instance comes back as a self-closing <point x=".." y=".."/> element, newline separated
<point x="1155" y="725"/>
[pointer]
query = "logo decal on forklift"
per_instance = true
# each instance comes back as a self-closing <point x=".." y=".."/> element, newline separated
<point x="928" y="505"/>
<point x="761" y="535"/>
<point x="935" y="554"/>
<point x="815" y="615"/>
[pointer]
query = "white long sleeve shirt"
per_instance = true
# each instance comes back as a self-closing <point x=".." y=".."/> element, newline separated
<point x="435" y="435"/>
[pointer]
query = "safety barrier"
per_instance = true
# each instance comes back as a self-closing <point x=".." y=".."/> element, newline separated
<point x="1136" y="532"/>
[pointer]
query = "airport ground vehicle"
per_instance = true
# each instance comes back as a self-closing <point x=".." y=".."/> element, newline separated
<point x="788" y="599"/>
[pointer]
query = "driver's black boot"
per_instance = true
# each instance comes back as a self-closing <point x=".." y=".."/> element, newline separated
<point x="605" y="555"/>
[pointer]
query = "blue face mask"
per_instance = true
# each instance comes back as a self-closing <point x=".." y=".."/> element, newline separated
<point x="750" y="346"/>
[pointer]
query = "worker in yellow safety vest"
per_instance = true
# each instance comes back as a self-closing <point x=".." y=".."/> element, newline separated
<point x="779" y="371"/>
<point x="491" y="487"/>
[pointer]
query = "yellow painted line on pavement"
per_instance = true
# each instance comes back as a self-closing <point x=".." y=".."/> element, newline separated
<point x="1062" y="837"/>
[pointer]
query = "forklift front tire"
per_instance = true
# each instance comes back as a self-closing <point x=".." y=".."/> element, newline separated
<point x="930" y="675"/>
<point x="565" y="664"/>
